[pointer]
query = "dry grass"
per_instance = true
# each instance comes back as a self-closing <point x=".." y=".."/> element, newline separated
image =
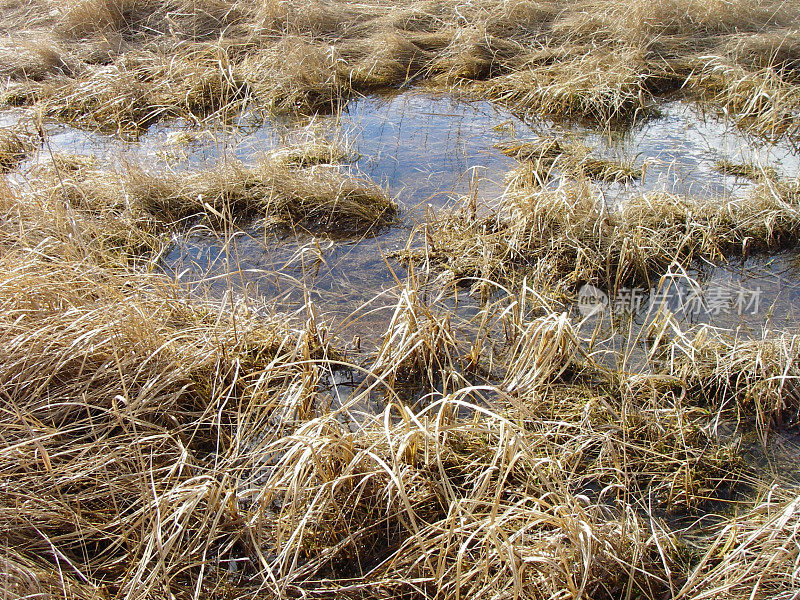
<point x="61" y="219"/>
<point x="291" y="189"/>
<point x="599" y="86"/>
<point x="750" y="171"/>
<point x="15" y="145"/>
<point x="751" y="380"/>
<point x="137" y="90"/>
<point x="132" y="416"/>
<point x="601" y="61"/>
<point x="569" y="228"/>
<point x="545" y="158"/>
<point x="318" y="199"/>
<point x="754" y="555"/>
<point x="418" y="346"/>
<point x="156" y="444"/>
<point x="31" y="58"/>
<point x="760" y="101"/>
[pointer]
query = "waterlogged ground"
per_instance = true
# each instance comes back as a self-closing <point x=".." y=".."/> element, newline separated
<point x="427" y="151"/>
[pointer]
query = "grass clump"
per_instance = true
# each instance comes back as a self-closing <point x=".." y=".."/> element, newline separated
<point x="31" y="58"/>
<point x="286" y="190"/>
<point x="313" y="152"/>
<point x="570" y="229"/>
<point x="760" y="101"/>
<point x="544" y="158"/>
<point x="746" y="170"/>
<point x="136" y="422"/>
<point x="64" y="216"/>
<point x="598" y="61"/>
<point x="753" y="555"/>
<point x="599" y="87"/>
<point x="319" y="199"/>
<point x="451" y="498"/>
<point x="603" y="169"/>
<point x="295" y="75"/>
<point x="752" y="380"/>
<point x="15" y="146"/>
<point x="138" y="89"/>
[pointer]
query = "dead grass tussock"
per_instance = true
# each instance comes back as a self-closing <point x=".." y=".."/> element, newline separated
<point x="754" y="555"/>
<point x="385" y="59"/>
<point x="316" y="199"/>
<point x="618" y="435"/>
<point x="570" y="228"/>
<point x="778" y="49"/>
<point x="310" y="153"/>
<point x="545" y="350"/>
<point x="597" y="61"/>
<point x="316" y="18"/>
<point x="545" y="158"/>
<point x="754" y="172"/>
<point x="74" y="209"/>
<point x="196" y="20"/>
<point x="133" y="92"/>
<point x="473" y="54"/>
<point x="293" y="188"/>
<point x="760" y="101"/>
<point x="31" y="58"/>
<point x="624" y="438"/>
<point x="80" y="18"/>
<point x="15" y="145"/>
<point x="295" y="75"/>
<point x="639" y="21"/>
<point x="537" y="549"/>
<point x="109" y="98"/>
<point x="133" y="413"/>
<point x="752" y="380"/>
<point x="458" y="504"/>
<point x="418" y="347"/>
<point x="600" y="86"/>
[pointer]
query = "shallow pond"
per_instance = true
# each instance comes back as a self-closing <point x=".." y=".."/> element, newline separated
<point x="427" y="150"/>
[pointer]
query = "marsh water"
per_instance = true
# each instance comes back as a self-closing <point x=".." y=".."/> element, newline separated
<point x="428" y="150"/>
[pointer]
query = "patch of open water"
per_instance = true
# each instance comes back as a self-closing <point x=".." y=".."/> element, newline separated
<point x="427" y="150"/>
